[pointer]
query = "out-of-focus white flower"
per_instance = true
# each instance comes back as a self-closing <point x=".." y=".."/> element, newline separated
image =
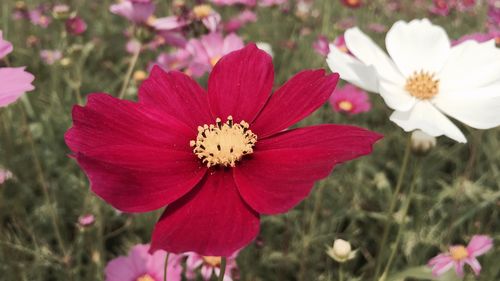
<point x="341" y="251"/>
<point x="421" y="143"/>
<point x="425" y="79"/>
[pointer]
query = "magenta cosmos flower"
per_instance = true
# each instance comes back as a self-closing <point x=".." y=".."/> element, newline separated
<point x="209" y="266"/>
<point x="350" y="100"/>
<point x="458" y="256"/>
<point x="14" y="81"/>
<point x="218" y="158"/>
<point x="140" y="265"/>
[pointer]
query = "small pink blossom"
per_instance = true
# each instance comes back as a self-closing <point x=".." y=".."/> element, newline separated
<point x="240" y="20"/>
<point x="458" y="256"/>
<point x="339" y="42"/>
<point x="209" y="265"/>
<point x="50" y="56"/>
<point x="207" y="51"/>
<point x="140" y="265"/>
<point x="350" y="100"/>
<point x="137" y="11"/>
<point x="86" y="220"/>
<point x="177" y="60"/>
<point x="5" y="175"/>
<point x="321" y="46"/>
<point x="38" y="18"/>
<point x="5" y="46"/>
<point x="75" y="25"/>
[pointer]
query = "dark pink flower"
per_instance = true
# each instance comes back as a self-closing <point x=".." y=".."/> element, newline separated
<point x="209" y="265"/>
<point x="140" y="265"/>
<point x="76" y="25"/>
<point x="458" y="256"/>
<point x="217" y="158"/>
<point x="350" y="99"/>
<point x="442" y="7"/>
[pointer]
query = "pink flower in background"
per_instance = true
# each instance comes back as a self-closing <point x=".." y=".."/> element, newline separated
<point x="458" y="256"/>
<point x="207" y="51"/>
<point x="234" y="2"/>
<point x="240" y="20"/>
<point x="86" y="220"/>
<point x="137" y="11"/>
<point x="38" y="17"/>
<point x="339" y="42"/>
<point x="478" y="37"/>
<point x="441" y="7"/>
<point x="466" y="5"/>
<point x="321" y="46"/>
<point x="5" y="175"/>
<point x="177" y="60"/>
<point x="139" y="265"/>
<point x="350" y="99"/>
<point x="494" y="18"/>
<point x="209" y="265"/>
<point x="14" y="81"/>
<point x="50" y="56"/>
<point x="75" y="25"/>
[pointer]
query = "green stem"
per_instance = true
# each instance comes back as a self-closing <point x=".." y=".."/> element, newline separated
<point x="392" y="205"/>
<point x="130" y="69"/>
<point x="165" y="268"/>
<point x="402" y="225"/>
<point x="341" y="273"/>
<point x="222" y="269"/>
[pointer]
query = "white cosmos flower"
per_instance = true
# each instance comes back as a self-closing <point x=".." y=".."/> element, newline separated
<point x="425" y="78"/>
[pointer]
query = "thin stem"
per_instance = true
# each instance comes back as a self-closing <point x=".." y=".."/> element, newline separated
<point x="165" y="268"/>
<point x="222" y="269"/>
<point x="130" y="69"/>
<point x="341" y="272"/>
<point x="402" y="225"/>
<point x="392" y="205"/>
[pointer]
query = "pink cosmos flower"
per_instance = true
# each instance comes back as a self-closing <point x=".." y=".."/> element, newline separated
<point x="137" y="11"/>
<point x="5" y="175"/>
<point x="250" y="3"/>
<point x="350" y="99"/>
<point x="75" y="25"/>
<point x="207" y="51"/>
<point x="14" y="81"/>
<point x="38" y="17"/>
<point x="50" y="56"/>
<point x="209" y="265"/>
<point x="240" y="20"/>
<point x="140" y="265"/>
<point x="441" y="7"/>
<point x="458" y="256"/>
<point x="478" y="37"/>
<point x="177" y="60"/>
<point x="86" y="220"/>
<point x="321" y="46"/>
<point x="217" y="158"/>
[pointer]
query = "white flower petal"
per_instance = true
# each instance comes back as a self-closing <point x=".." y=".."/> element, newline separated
<point x="352" y="70"/>
<point x="479" y="108"/>
<point x="369" y="53"/>
<point x="426" y="117"/>
<point x="469" y="66"/>
<point x="395" y="96"/>
<point x="418" y="45"/>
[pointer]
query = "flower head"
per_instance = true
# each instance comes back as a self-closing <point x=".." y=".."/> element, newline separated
<point x="140" y="265"/>
<point x="350" y="99"/>
<point x="209" y="265"/>
<point x="137" y="11"/>
<point x="75" y="25"/>
<point x="458" y="255"/>
<point x="217" y="158"/>
<point x="425" y="77"/>
<point x="341" y="251"/>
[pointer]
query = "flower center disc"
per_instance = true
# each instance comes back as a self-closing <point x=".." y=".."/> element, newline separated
<point x="145" y="277"/>
<point x="223" y="143"/>
<point x="212" y="261"/>
<point x="422" y="85"/>
<point x="458" y="252"/>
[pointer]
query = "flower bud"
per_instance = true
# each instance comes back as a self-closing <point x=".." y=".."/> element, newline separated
<point x="341" y="251"/>
<point x="421" y="143"/>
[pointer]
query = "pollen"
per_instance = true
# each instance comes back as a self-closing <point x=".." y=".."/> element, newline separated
<point x="145" y="277"/>
<point x="422" y="85"/>
<point x="458" y="253"/>
<point x="202" y="11"/>
<point x="345" y="105"/>
<point x="223" y="143"/>
<point x="212" y="261"/>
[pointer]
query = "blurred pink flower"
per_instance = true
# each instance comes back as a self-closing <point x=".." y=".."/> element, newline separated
<point x="466" y="5"/>
<point x="75" y="25"/>
<point x="350" y="99"/>
<point x="234" y="2"/>
<point x="139" y="265"/>
<point x="478" y="37"/>
<point x="321" y="46"/>
<point x="133" y="46"/>
<point x="50" y="56"/>
<point x="5" y="46"/>
<point x="238" y="21"/>
<point x="441" y="7"/>
<point x="494" y="18"/>
<point x="86" y="220"/>
<point x="458" y="256"/>
<point x="339" y="42"/>
<point x="38" y="18"/>
<point x="170" y="23"/>
<point x="209" y="266"/>
<point x="177" y="60"/>
<point x="5" y="175"/>
<point x="207" y="51"/>
<point x="137" y="11"/>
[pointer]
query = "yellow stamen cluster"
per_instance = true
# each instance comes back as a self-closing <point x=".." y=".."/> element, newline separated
<point x="223" y="143"/>
<point x="422" y="85"/>
<point x="458" y="253"/>
<point x="145" y="277"/>
<point x="212" y="261"/>
<point x="202" y="11"/>
<point x="345" y="105"/>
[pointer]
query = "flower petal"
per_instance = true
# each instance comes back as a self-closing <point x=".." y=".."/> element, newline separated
<point x="283" y="169"/>
<point x="369" y="53"/>
<point x="15" y="82"/>
<point x="441" y="268"/>
<point x="212" y="220"/>
<point x="352" y="70"/>
<point x="396" y="97"/>
<point x="120" y="269"/>
<point x="470" y="65"/>
<point x="136" y="159"/>
<point x="240" y="84"/>
<point x="474" y="264"/>
<point x="418" y="45"/>
<point x="295" y="100"/>
<point x="5" y="46"/>
<point x="178" y="95"/>
<point x="459" y="268"/>
<point x="424" y="116"/>
<point x="479" y="244"/>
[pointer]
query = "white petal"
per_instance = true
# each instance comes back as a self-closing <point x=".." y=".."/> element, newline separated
<point x="417" y="45"/>
<point x="426" y="117"/>
<point x="369" y="53"/>
<point x="352" y="70"/>
<point x="479" y="108"/>
<point x="395" y="96"/>
<point x="469" y="66"/>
